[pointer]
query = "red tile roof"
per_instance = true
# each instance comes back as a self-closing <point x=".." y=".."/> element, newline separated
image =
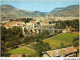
<point x="14" y="56"/>
<point x="62" y="51"/>
<point x="7" y="25"/>
<point x="16" y="21"/>
<point x="18" y="55"/>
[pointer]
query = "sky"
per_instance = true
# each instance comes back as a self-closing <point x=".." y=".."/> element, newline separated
<point x="39" y="5"/>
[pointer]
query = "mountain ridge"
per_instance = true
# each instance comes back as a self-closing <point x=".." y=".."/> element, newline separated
<point x="72" y="10"/>
<point x="10" y="11"/>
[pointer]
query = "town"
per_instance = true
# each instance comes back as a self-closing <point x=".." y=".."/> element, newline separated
<point x="39" y="30"/>
<point x="36" y="26"/>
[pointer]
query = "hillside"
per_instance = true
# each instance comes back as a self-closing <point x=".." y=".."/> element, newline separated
<point x="10" y="11"/>
<point x="72" y="10"/>
<point x="56" y="10"/>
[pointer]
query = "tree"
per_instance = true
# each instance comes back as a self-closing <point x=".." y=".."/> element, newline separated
<point x="50" y="22"/>
<point x="25" y="30"/>
<point x="4" y="51"/>
<point x="25" y="19"/>
<point x="38" y="23"/>
<point x="10" y="38"/>
<point x="63" y="24"/>
<point x="75" y="24"/>
<point x="76" y="41"/>
<point x="62" y="45"/>
<point x="3" y="32"/>
<point x="41" y="47"/>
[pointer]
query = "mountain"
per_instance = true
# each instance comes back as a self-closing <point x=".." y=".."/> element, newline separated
<point x="72" y="10"/>
<point x="56" y="10"/>
<point x="45" y="12"/>
<point x="10" y="11"/>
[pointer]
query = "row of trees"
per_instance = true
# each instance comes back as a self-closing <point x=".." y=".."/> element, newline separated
<point x="76" y="41"/>
<point x="62" y="24"/>
<point x="22" y="19"/>
<point x="45" y="34"/>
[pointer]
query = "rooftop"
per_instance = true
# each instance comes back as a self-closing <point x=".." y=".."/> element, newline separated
<point x="60" y="52"/>
<point x="16" y="21"/>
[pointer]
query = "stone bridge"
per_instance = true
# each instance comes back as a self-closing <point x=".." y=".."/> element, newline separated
<point x="39" y="30"/>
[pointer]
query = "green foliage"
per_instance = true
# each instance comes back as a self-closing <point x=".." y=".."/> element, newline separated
<point x="62" y="45"/>
<point x="49" y="22"/>
<point x="62" y="24"/>
<point x="41" y="47"/>
<point x="25" y="30"/>
<point x="75" y="24"/>
<point x="38" y="23"/>
<point x="76" y="41"/>
<point x="10" y="38"/>
<point x="40" y="20"/>
<point x="3" y="32"/>
<point x="72" y="10"/>
<point x="4" y="51"/>
<point x="45" y="34"/>
<point x="24" y="19"/>
<point x="65" y="38"/>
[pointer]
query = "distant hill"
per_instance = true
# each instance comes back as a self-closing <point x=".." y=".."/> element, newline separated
<point x="56" y="10"/>
<point x="10" y="11"/>
<point x="72" y="10"/>
<point x="45" y="12"/>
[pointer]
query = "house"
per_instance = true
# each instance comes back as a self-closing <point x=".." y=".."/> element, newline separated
<point x="7" y="25"/>
<point x="64" y="52"/>
<point x="32" y="21"/>
<point x="31" y="25"/>
<point x="14" y="23"/>
<point x="65" y="30"/>
<point x="4" y="21"/>
<point x="18" y="22"/>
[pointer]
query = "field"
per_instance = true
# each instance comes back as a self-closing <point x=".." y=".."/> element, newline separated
<point x="65" y="38"/>
<point x="22" y="50"/>
<point x="54" y="43"/>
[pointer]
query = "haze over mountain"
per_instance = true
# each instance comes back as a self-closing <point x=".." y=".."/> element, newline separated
<point x="72" y="10"/>
<point x="10" y="11"/>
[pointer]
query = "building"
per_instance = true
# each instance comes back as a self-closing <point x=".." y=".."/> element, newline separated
<point x="4" y="21"/>
<point x="64" y="52"/>
<point x="14" y="23"/>
<point x="18" y="22"/>
<point x="65" y="30"/>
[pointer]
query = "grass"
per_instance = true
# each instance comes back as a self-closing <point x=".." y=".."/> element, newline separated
<point x="22" y="50"/>
<point x="65" y="38"/>
<point x="54" y="43"/>
<point x="31" y="45"/>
